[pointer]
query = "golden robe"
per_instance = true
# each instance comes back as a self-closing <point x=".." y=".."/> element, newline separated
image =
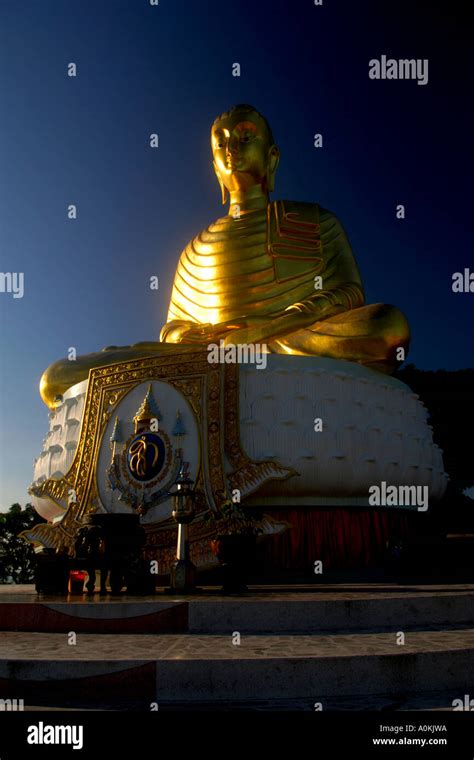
<point x="290" y="256"/>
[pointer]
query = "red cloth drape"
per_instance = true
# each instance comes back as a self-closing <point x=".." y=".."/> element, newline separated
<point x="339" y="537"/>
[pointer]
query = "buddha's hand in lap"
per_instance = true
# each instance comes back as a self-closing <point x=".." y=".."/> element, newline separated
<point x="179" y="331"/>
<point x="203" y="334"/>
<point x="259" y="329"/>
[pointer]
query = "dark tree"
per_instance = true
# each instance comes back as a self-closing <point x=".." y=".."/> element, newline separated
<point x="16" y="554"/>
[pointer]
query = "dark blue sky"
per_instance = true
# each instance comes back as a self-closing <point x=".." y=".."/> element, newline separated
<point x="168" y="69"/>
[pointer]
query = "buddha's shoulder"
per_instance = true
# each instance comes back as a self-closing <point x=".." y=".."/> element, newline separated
<point x="305" y="211"/>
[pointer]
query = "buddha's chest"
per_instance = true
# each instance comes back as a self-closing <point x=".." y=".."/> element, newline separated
<point x="273" y="246"/>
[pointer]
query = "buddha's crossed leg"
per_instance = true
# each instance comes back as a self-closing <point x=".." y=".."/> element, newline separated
<point x="370" y="335"/>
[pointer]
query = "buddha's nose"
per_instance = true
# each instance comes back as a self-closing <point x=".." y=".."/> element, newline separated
<point x="232" y="146"/>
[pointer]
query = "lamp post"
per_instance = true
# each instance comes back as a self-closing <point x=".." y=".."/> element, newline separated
<point x="183" y="572"/>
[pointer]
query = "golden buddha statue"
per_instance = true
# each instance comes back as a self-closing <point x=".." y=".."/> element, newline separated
<point x="277" y="273"/>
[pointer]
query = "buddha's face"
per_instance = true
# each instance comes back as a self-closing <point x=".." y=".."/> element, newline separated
<point x="242" y="150"/>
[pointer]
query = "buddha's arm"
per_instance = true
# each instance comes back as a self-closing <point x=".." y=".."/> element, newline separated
<point x="302" y="314"/>
<point x="341" y="282"/>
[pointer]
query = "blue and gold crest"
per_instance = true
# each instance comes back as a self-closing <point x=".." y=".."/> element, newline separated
<point x="145" y="465"/>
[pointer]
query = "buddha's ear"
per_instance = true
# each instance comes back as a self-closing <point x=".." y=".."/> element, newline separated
<point x="272" y="166"/>
<point x="221" y="184"/>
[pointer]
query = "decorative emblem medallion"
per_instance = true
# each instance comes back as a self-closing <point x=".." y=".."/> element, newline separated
<point x="144" y="467"/>
<point x="146" y="456"/>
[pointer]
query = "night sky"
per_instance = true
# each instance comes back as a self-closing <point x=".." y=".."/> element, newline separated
<point x="168" y="69"/>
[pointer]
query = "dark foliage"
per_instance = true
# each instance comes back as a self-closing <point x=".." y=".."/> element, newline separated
<point x="16" y="554"/>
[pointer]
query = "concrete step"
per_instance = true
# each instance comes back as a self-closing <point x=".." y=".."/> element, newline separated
<point x="332" y="610"/>
<point x="310" y="609"/>
<point x="213" y="668"/>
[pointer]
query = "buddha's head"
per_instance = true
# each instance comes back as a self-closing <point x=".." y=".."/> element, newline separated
<point x="244" y="151"/>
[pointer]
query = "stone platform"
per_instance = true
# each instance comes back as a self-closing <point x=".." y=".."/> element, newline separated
<point x="331" y="644"/>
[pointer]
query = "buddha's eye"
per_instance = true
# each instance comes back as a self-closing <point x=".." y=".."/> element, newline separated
<point x="246" y="137"/>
